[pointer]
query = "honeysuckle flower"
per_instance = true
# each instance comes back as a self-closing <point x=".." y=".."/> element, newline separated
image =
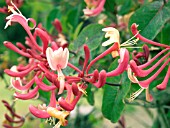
<point x="112" y="34"/>
<point x="58" y="60"/>
<point x="123" y="63"/>
<point x="94" y="7"/>
<point x="43" y="86"/>
<point x="17" y="16"/>
<point x="114" y="47"/>
<point x="141" y="55"/>
<point x="51" y="111"/>
<point x="17" y="3"/>
<point x="57" y="25"/>
<point x="69" y="102"/>
<point x="41" y="110"/>
<point x="140" y="37"/>
<point x="12" y="120"/>
<point x="143" y="70"/>
<point x="61" y="115"/>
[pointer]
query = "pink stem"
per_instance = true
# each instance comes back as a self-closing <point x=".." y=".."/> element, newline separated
<point x="52" y="99"/>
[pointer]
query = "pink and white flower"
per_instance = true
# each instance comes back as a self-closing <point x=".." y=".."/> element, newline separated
<point x="58" y="60"/>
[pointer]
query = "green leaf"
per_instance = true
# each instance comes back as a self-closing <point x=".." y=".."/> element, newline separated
<point x="55" y="13"/>
<point x="90" y="95"/>
<point x="118" y="2"/>
<point x="125" y="8"/>
<point x="163" y="36"/>
<point x="113" y="105"/>
<point x="151" y="18"/>
<point x="91" y="35"/>
<point x="109" y="5"/>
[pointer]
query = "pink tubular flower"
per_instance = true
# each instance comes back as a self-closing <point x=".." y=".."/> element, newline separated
<point x="123" y="63"/>
<point x="17" y="3"/>
<point x="145" y="69"/>
<point x="141" y="55"/>
<point x="57" y="25"/>
<point x="93" y="7"/>
<point x="58" y="60"/>
<point x="139" y="70"/>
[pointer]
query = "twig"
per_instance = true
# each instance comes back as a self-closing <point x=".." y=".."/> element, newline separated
<point x="111" y="84"/>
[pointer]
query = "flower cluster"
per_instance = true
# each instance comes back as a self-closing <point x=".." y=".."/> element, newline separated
<point x="18" y="4"/>
<point x="47" y="59"/>
<point x="146" y="69"/>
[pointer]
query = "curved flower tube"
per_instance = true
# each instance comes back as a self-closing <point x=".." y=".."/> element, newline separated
<point x="41" y="111"/>
<point x="19" y="74"/>
<point x="164" y="83"/>
<point x="18" y="85"/>
<point x="69" y="106"/>
<point x="44" y="37"/>
<point x="57" y="25"/>
<point x="38" y="113"/>
<point x="87" y="57"/>
<point x="123" y="63"/>
<point x="94" y="77"/>
<point x="145" y="55"/>
<point x="98" y="7"/>
<point x="43" y="86"/>
<point x="140" y="37"/>
<point x="17" y="16"/>
<point x="75" y="89"/>
<point x="27" y="96"/>
<point x="114" y="47"/>
<point x="142" y="73"/>
<point x="102" y="79"/>
<point x="146" y="83"/>
<point x="15" y="49"/>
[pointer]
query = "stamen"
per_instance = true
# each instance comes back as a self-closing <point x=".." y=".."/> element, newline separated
<point x="133" y="47"/>
<point x="136" y="94"/>
<point x="15" y="8"/>
<point x="130" y="42"/>
<point x="58" y="125"/>
<point x="81" y="90"/>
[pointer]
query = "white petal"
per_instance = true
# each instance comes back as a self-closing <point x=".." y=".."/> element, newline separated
<point x="49" y="55"/>
<point x="108" y="42"/>
<point x="65" y="57"/>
